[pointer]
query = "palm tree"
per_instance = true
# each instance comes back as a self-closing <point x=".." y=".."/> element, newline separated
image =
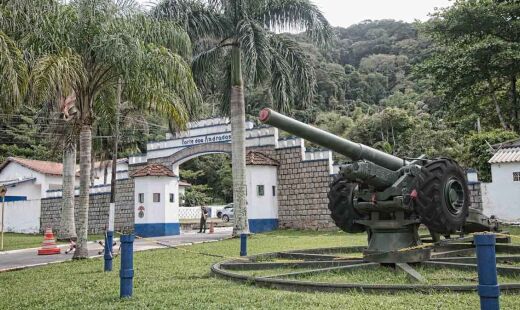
<point x="18" y="19"/>
<point x="240" y="33"/>
<point x="62" y="125"/>
<point x="100" y="42"/>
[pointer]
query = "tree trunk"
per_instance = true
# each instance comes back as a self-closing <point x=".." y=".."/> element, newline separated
<point x="85" y="144"/>
<point x="514" y="104"/>
<point x="67" y="225"/>
<point x="497" y="106"/>
<point x="238" y="144"/>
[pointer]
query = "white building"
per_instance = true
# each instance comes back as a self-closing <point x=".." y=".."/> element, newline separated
<point x="156" y="201"/>
<point x="502" y="197"/>
<point x="262" y="203"/>
<point x="29" y="179"/>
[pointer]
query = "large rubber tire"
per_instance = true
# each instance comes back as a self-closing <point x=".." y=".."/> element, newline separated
<point x="341" y="205"/>
<point x="432" y="203"/>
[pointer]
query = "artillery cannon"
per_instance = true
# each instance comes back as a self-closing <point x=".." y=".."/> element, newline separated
<point x="389" y="197"/>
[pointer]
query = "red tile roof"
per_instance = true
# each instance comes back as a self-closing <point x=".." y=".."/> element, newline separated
<point x="154" y="170"/>
<point x="44" y="167"/>
<point x="260" y="159"/>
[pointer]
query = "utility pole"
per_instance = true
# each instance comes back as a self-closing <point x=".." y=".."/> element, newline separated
<point x="109" y="235"/>
<point x="114" y="158"/>
<point x="3" y="191"/>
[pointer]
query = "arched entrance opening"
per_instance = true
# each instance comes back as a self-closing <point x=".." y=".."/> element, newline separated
<point x="206" y="180"/>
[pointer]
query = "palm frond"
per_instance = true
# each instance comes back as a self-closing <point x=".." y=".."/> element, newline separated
<point x="282" y="86"/>
<point x="19" y="17"/>
<point x="164" y="83"/>
<point x="290" y="15"/>
<point x="50" y="33"/>
<point x="205" y="62"/>
<point x="254" y="43"/>
<point x="225" y="86"/>
<point x="14" y="77"/>
<point x="199" y="19"/>
<point x="56" y="75"/>
<point x="301" y="73"/>
<point x="158" y="31"/>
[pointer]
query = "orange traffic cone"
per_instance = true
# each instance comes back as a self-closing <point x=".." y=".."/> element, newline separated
<point x="49" y="246"/>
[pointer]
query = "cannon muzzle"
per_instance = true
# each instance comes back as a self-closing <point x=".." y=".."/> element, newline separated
<point x="353" y="150"/>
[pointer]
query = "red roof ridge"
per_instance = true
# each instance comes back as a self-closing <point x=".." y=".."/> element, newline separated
<point x="41" y="166"/>
<point x="154" y="170"/>
<point x="260" y="159"/>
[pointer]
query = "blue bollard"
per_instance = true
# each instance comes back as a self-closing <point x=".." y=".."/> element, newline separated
<point x="126" y="274"/>
<point x="488" y="288"/>
<point x="109" y="241"/>
<point x="243" y="244"/>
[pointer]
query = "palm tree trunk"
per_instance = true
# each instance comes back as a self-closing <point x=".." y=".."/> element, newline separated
<point x="85" y="144"/>
<point x="238" y="144"/>
<point x="67" y="225"/>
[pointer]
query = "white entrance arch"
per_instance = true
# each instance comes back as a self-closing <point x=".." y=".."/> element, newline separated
<point x="302" y="176"/>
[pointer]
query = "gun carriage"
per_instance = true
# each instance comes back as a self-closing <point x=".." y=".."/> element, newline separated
<point x="389" y="197"/>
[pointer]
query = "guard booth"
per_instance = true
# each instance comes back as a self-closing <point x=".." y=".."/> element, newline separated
<point x="262" y="200"/>
<point x="156" y="201"/>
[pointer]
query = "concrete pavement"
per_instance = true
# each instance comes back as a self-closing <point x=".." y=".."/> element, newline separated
<point x="26" y="258"/>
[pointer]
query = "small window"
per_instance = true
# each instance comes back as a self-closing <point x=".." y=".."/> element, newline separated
<point x="260" y="190"/>
<point x="516" y="176"/>
<point x="156" y="197"/>
<point x="274" y="190"/>
<point x="141" y="197"/>
<point x="172" y="197"/>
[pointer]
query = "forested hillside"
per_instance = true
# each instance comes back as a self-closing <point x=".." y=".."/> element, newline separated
<point x="412" y="89"/>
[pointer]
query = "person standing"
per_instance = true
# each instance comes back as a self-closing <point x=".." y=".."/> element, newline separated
<point x="203" y="218"/>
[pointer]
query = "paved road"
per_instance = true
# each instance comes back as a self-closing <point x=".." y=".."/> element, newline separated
<point x="18" y="259"/>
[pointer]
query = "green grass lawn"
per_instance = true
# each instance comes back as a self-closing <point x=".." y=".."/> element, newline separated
<point x="174" y="279"/>
<point x="14" y="241"/>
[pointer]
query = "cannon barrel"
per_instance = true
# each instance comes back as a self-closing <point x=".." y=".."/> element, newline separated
<point x="353" y="150"/>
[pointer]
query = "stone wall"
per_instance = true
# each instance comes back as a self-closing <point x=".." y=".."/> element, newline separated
<point x="475" y="195"/>
<point x="98" y="210"/>
<point x="302" y="191"/>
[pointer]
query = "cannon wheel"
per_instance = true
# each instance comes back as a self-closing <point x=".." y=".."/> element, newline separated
<point x="341" y="205"/>
<point x="442" y="196"/>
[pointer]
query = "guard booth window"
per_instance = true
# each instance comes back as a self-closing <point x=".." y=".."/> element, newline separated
<point x="260" y="190"/>
<point x="274" y="190"/>
<point x="156" y="197"/>
<point x="141" y="197"/>
<point x="172" y="197"/>
<point x="516" y="176"/>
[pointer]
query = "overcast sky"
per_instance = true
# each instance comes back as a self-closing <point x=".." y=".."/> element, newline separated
<point x="347" y="12"/>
